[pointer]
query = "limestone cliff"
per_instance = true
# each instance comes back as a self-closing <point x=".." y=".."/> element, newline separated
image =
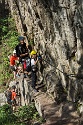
<point x="57" y="27"/>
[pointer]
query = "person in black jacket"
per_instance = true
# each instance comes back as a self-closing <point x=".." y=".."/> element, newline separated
<point x="21" y="49"/>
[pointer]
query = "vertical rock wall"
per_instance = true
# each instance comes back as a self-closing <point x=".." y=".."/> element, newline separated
<point x="57" y="27"/>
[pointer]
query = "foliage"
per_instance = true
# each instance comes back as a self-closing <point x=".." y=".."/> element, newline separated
<point x="6" y="115"/>
<point x="25" y="114"/>
<point x="9" y="40"/>
<point x="31" y="42"/>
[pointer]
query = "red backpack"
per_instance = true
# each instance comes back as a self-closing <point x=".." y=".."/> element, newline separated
<point x="24" y="65"/>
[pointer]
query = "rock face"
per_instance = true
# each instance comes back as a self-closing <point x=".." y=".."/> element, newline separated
<point x="2" y="99"/>
<point x="57" y="27"/>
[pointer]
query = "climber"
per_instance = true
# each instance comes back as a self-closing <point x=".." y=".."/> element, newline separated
<point x="19" y="70"/>
<point x="34" y="61"/>
<point x="21" y="49"/>
<point x="13" y="99"/>
<point x="13" y="58"/>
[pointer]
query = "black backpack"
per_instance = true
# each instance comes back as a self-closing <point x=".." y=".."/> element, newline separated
<point x="8" y="95"/>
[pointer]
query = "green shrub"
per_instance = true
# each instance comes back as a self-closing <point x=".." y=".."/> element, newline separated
<point x="6" y="115"/>
<point x="9" y="40"/>
<point x="25" y="114"/>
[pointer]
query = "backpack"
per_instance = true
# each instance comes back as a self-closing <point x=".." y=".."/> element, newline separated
<point x="27" y="64"/>
<point x="8" y="95"/>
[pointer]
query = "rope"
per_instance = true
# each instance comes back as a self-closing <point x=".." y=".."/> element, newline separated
<point x="67" y="75"/>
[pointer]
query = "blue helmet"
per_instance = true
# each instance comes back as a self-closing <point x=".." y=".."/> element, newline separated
<point x="21" y="38"/>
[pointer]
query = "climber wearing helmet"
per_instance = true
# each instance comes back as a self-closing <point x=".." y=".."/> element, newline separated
<point x="34" y="61"/>
<point x="13" y="58"/>
<point x="21" y="49"/>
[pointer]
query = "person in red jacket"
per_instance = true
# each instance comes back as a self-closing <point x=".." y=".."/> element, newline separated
<point x="13" y="58"/>
<point x="13" y="98"/>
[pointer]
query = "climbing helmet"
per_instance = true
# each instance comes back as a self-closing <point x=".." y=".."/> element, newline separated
<point x="21" y="38"/>
<point x="33" y="52"/>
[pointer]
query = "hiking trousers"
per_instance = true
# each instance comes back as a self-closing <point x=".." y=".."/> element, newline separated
<point x="34" y="79"/>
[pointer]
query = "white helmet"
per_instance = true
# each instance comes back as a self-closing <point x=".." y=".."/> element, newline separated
<point x="14" y="51"/>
